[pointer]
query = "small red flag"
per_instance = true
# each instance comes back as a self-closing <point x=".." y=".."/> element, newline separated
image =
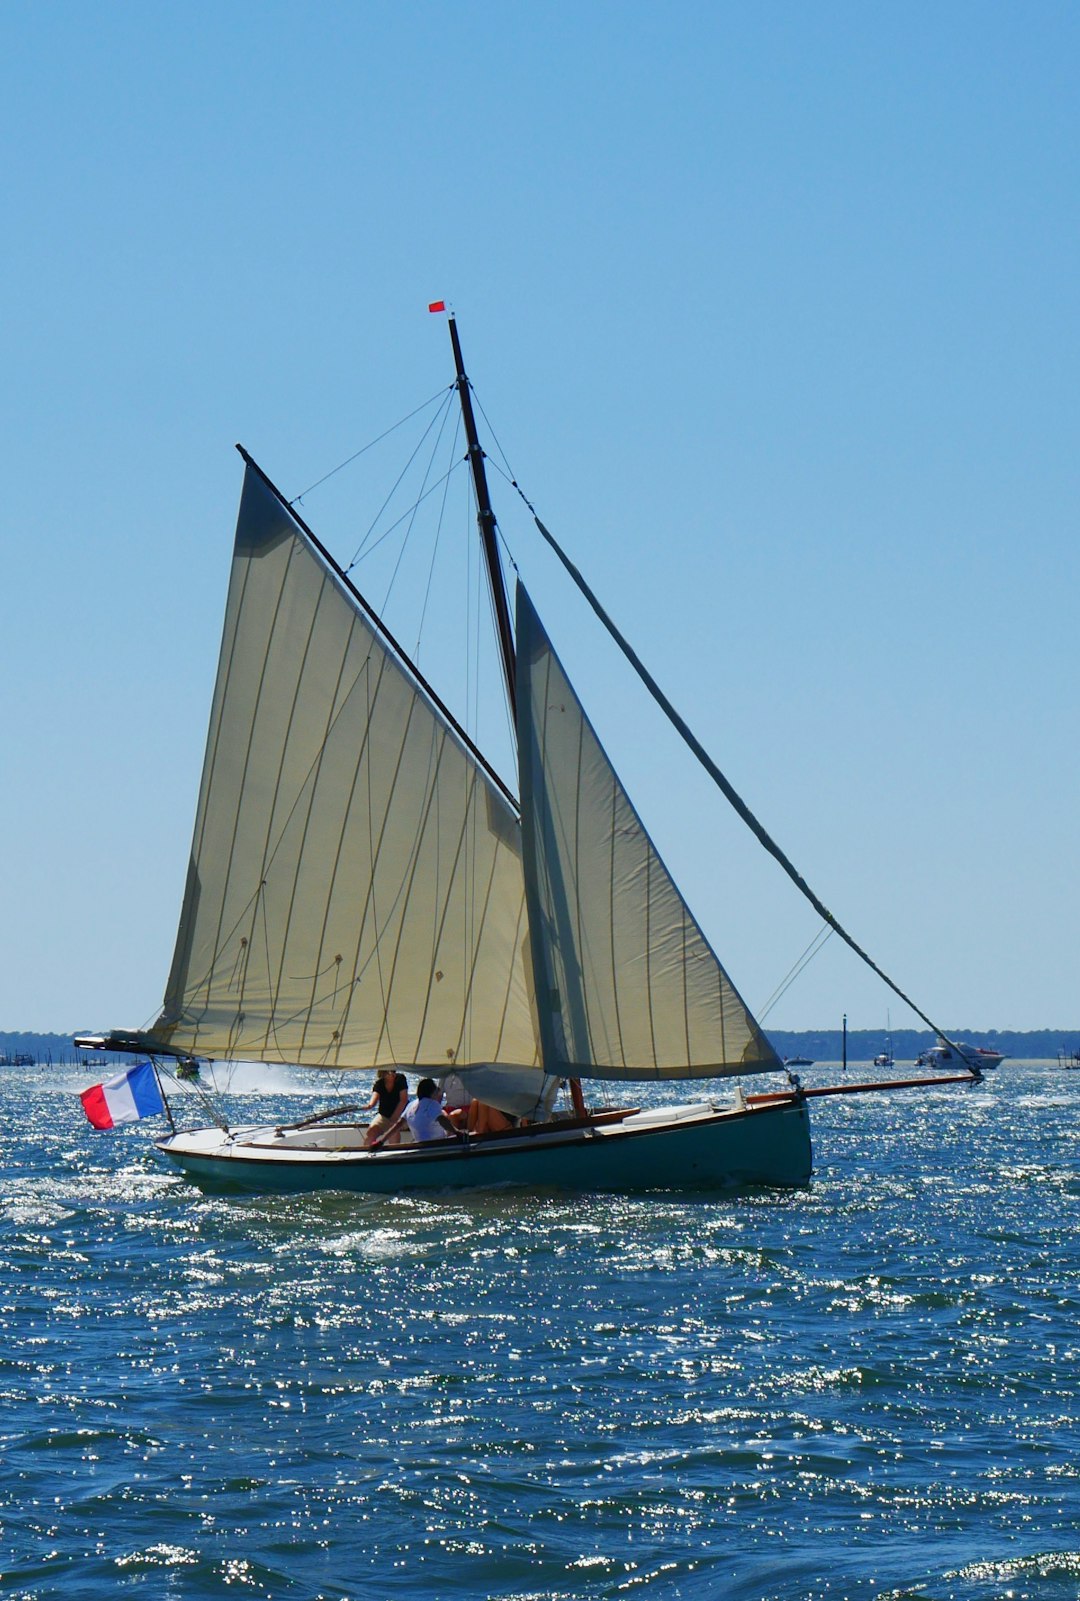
<point x="437" y="305"/>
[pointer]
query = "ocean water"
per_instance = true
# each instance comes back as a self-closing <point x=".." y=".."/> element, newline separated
<point x="867" y="1389"/>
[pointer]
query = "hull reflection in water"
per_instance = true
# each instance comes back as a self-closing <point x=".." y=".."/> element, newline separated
<point x="701" y="1146"/>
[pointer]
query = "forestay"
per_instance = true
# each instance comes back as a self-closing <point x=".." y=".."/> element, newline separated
<point x="355" y="895"/>
<point x="627" y="985"/>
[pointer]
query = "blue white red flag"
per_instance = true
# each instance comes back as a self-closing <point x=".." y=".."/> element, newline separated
<point x="125" y="1098"/>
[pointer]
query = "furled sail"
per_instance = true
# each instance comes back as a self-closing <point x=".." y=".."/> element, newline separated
<point x="355" y="896"/>
<point x="627" y="986"/>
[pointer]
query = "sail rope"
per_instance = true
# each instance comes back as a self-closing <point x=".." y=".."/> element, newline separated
<point x="193" y="1087"/>
<point x="363" y="549"/>
<point x="298" y="500"/>
<point x="410" y="515"/>
<point x="435" y="542"/>
<point x="816" y="945"/>
<point x="508" y="474"/>
<point x="706" y="761"/>
<point x="406" y="514"/>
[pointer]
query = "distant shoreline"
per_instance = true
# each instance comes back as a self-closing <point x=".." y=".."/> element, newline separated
<point x="820" y="1045"/>
<point x="863" y="1044"/>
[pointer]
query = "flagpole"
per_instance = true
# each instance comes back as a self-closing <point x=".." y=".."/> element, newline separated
<point x="164" y="1097"/>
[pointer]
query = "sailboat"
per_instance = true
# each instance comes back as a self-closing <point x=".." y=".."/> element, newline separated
<point x="364" y="891"/>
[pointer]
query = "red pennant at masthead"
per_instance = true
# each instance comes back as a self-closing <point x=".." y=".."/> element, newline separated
<point x="437" y="305"/>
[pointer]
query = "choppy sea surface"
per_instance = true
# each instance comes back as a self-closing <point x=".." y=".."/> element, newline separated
<point x="870" y="1388"/>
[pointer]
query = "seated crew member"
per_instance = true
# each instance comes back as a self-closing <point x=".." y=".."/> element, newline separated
<point x="391" y="1091"/>
<point x="484" y="1119"/>
<point x="425" y="1115"/>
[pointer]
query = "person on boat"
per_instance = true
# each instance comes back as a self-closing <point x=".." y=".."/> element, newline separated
<point x="425" y="1115"/>
<point x="484" y="1119"/>
<point x="391" y="1092"/>
<point x="465" y="1113"/>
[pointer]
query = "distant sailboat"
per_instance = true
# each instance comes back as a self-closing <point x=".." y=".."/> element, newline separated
<point x="885" y="1058"/>
<point x="364" y="892"/>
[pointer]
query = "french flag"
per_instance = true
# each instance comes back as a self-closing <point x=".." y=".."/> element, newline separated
<point x="125" y="1098"/>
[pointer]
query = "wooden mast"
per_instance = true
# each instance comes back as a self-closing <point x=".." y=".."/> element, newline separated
<point x="485" y="519"/>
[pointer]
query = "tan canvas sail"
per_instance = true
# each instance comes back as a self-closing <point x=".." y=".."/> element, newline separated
<point x="355" y="895"/>
<point x="627" y="985"/>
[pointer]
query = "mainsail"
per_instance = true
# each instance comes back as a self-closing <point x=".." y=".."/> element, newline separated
<point x="627" y="986"/>
<point x="355" y="896"/>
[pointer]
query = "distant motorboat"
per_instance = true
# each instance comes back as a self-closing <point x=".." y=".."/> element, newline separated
<point x="979" y="1058"/>
<point x="798" y="1061"/>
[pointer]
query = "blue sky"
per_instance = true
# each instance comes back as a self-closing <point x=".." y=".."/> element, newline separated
<point x="774" y="311"/>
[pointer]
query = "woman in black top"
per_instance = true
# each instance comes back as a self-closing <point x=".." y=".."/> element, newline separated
<point x="391" y="1091"/>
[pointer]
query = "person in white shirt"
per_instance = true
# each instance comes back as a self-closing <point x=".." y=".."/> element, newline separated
<point x="425" y="1116"/>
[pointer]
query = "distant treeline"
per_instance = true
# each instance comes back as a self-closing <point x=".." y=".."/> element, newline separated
<point x="56" y="1050"/>
<point x="821" y="1045"/>
<point x="863" y="1044"/>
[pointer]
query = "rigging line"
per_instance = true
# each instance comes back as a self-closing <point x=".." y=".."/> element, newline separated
<point x="298" y="499"/>
<point x="804" y="961"/>
<point x="508" y="552"/>
<point x="721" y="782"/>
<point x="438" y="535"/>
<point x="498" y="527"/>
<point x="397" y="484"/>
<point x="200" y="1092"/>
<point x="360" y="554"/>
<point x="803" y="957"/>
<point x="508" y="475"/>
<point x="816" y="945"/>
<point x="510" y="479"/>
<point x="412" y="513"/>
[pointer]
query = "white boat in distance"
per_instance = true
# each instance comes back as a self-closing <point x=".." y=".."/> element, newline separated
<point x="364" y="891"/>
<point x="886" y="1058"/>
<point x="979" y="1058"/>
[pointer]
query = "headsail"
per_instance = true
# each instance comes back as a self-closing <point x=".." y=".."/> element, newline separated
<point x="627" y="985"/>
<point x="355" y="895"/>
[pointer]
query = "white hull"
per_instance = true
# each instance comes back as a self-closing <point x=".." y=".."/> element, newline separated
<point x="680" y="1147"/>
<point x="977" y="1057"/>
